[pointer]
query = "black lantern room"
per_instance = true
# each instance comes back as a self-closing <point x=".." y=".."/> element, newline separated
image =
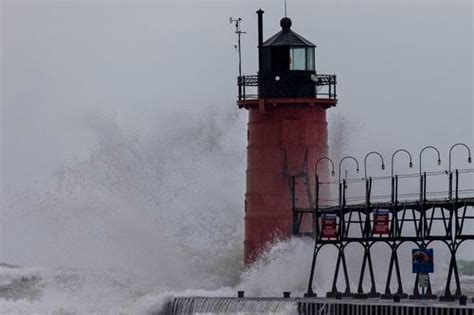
<point x="287" y="72"/>
<point x="286" y="65"/>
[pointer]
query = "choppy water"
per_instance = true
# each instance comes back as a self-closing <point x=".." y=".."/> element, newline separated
<point x="148" y="216"/>
<point x="145" y="218"/>
<point x="28" y="290"/>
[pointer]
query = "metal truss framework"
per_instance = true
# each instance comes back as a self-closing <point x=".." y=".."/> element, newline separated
<point x="421" y="222"/>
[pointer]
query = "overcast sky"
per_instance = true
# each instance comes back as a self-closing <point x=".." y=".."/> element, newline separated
<point x="404" y="70"/>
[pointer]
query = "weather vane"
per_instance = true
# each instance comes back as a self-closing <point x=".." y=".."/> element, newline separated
<point x="239" y="32"/>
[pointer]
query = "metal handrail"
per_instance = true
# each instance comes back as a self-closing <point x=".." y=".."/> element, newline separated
<point x="321" y="80"/>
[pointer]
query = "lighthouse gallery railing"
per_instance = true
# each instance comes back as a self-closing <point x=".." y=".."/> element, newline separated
<point x="324" y="85"/>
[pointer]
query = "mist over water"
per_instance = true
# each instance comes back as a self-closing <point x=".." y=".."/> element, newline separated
<point x="147" y="200"/>
<point x="155" y="210"/>
<point x="165" y="209"/>
<point x="147" y="216"/>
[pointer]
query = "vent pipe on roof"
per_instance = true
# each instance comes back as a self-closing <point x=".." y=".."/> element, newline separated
<point x="260" y="37"/>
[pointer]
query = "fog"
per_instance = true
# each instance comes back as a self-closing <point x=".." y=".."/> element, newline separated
<point x="404" y="70"/>
<point x="120" y="130"/>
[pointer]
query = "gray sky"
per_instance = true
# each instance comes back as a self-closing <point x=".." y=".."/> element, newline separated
<point x="404" y="70"/>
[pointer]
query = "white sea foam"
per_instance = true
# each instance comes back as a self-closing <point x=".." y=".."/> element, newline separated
<point x="145" y="214"/>
<point x="146" y="218"/>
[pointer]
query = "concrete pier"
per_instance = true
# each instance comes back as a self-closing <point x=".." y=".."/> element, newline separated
<point x="315" y="306"/>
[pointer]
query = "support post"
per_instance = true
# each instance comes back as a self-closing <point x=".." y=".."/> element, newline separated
<point x="457" y="185"/>
<point x="310" y="292"/>
<point x="293" y="205"/>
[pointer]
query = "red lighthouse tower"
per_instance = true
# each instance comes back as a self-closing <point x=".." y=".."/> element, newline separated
<point x="287" y="133"/>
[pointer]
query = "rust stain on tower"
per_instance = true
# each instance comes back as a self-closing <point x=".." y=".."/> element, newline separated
<point x="287" y="133"/>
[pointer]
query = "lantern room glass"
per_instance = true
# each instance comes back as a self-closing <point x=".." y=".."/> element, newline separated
<point x="302" y="58"/>
<point x="310" y="59"/>
<point x="297" y="59"/>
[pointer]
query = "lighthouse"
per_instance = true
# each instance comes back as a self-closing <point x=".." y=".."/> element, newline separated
<point x="287" y="133"/>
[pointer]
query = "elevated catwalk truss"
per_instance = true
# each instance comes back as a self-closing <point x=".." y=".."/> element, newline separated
<point x="421" y="218"/>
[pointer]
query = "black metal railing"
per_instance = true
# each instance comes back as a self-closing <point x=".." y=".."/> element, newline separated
<point x="248" y="81"/>
<point x="324" y="86"/>
<point x="381" y="214"/>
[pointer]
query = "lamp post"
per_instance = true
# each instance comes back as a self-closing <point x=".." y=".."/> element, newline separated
<point x="421" y="154"/>
<point x="316" y="178"/>
<point x="365" y="161"/>
<point x="340" y="166"/>
<point x="319" y="160"/>
<point x="421" y="170"/>
<point x="345" y="158"/>
<point x="368" y="183"/>
<point x="394" y="181"/>
<point x="393" y="159"/>
<point x="422" y="198"/>
<point x="469" y="160"/>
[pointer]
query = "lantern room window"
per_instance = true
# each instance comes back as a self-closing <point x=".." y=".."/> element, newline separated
<point x="310" y="59"/>
<point x="297" y="58"/>
<point x="302" y="58"/>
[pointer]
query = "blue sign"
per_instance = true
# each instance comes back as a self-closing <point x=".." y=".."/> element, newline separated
<point x="422" y="260"/>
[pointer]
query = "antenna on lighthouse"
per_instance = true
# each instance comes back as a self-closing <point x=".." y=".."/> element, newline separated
<point x="285" y="10"/>
<point x="239" y="32"/>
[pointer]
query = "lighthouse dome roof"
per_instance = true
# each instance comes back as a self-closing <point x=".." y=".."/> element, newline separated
<point x="287" y="37"/>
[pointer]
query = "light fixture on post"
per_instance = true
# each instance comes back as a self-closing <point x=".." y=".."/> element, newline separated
<point x="421" y="155"/>
<point x="393" y="180"/>
<point x="421" y="170"/>
<point x="365" y="162"/>
<point x="345" y="158"/>
<point x="340" y="166"/>
<point x="410" y="164"/>
<point x="321" y="159"/>
<point x="469" y="160"/>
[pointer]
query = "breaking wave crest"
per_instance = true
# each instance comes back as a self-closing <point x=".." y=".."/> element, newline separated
<point x="152" y="212"/>
<point x="146" y="217"/>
